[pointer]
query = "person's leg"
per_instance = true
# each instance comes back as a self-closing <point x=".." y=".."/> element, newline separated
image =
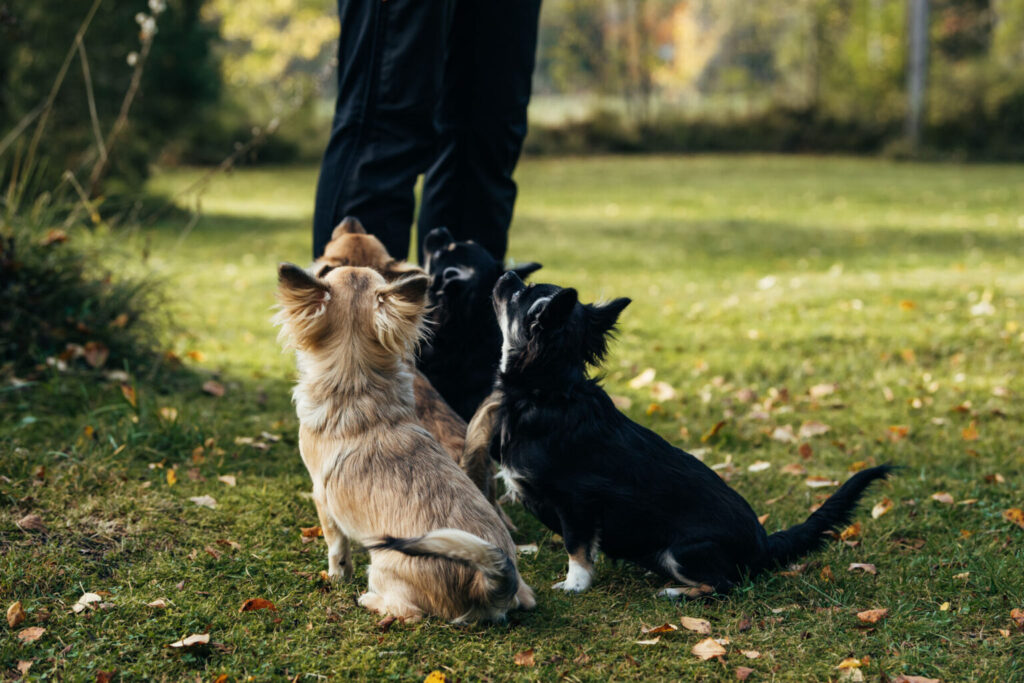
<point x="390" y="65"/>
<point x="481" y="121"/>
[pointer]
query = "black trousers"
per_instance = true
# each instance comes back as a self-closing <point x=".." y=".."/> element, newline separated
<point x="428" y="86"/>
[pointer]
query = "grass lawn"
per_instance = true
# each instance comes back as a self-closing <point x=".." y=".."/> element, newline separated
<point x="772" y="295"/>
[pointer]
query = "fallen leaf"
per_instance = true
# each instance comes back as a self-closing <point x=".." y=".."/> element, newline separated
<point x="873" y="616"/>
<point x="820" y="482"/>
<point x="1014" y="516"/>
<point x="54" y="236"/>
<point x="524" y="658"/>
<point x="527" y="549"/>
<point x="192" y="641"/>
<point x="784" y="434"/>
<point x="907" y="305"/>
<point x="228" y="479"/>
<point x="864" y="567"/>
<point x="31" y="634"/>
<point x="84" y="601"/>
<point x="213" y="388"/>
<point x="702" y="626"/>
<point x="24" y="665"/>
<point x="172" y="477"/>
<point x="751" y="654"/>
<point x="763" y="518"/>
<point x="15" y="614"/>
<point x="880" y="508"/>
<point x="654" y="408"/>
<point x="743" y="673"/>
<point x="852" y="531"/>
<point x="311" y="532"/>
<point x="708" y="648"/>
<point x="582" y="659"/>
<point x="159" y="603"/>
<point x="822" y="390"/>
<point x="898" y="432"/>
<point x="435" y="677"/>
<point x="663" y="391"/>
<point x="805" y="451"/>
<point x="795" y="469"/>
<point x="962" y="576"/>
<point x="812" y="428"/>
<point x="234" y="545"/>
<point x="904" y="678"/>
<point x="652" y="641"/>
<point x="622" y="402"/>
<point x="826" y="574"/>
<point x="204" y="501"/>
<point x="643" y="379"/>
<point x="944" y="607"/>
<point x="942" y="497"/>
<point x="253" y="604"/>
<point x="970" y="432"/>
<point x="995" y="478"/>
<point x="105" y="676"/>
<point x="850" y="663"/>
<point x="711" y="433"/>
<point x="1017" y="614"/>
<point x="31" y="523"/>
<point x="759" y="466"/>
<point x="96" y="354"/>
<point x="664" y="628"/>
<point x="128" y="391"/>
<point x="168" y="414"/>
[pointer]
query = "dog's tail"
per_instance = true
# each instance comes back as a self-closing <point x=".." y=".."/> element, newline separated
<point x="497" y="567"/>
<point x="789" y="545"/>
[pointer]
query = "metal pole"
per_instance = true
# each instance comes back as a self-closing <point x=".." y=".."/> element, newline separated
<point x="917" y="70"/>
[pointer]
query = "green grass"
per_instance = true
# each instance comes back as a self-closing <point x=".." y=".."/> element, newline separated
<point x="761" y="273"/>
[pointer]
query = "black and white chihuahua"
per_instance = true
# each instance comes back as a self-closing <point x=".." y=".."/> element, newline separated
<point x="604" y="482"/>
<point x="461" y="357"/>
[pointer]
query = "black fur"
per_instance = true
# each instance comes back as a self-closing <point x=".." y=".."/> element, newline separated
<point x="591" y="474"/>
<point x="461" y="356"/>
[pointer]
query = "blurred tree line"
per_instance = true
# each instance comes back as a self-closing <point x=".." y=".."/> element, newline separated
<point x="822" y="75"/>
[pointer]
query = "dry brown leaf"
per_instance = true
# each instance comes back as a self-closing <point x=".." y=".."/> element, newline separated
<point x="763" y="518"/>
<point x="702" y="626"/>
<point x="822" y="390"/>
<point x="873" y="616"/>
<point x="812" y="428"/>
<point x="213" y="388"/>
<point x="234" y="545"/>
<point x="864" y="567"/>
<point x="907" y="305"/>
<point x="708" y="648"/>
<point x="852" y="531"/>
<point x="881" y="507"/>
<point x="622" y="402"/>
<point x="204" y="501"/>
<point x="159" y="603"/>
<point x="84" y="601"/>
<point x="168" y="414"/>
<point x="751" y="654"/>
<point x="31" y="523"/>
<point x="1014" y="516"/>
<point x="898" y="432"/>
<point x="653" y="641"/>
<point x="253" y="604"/>
<point x="1017" y="614"/>
<point x="228" y="479"/>
<point x="194" y="640"/>
<point x="128" y="391"/>
<point x="96" y="354"/>
<point x="24" y="665"/>
<point x="962" y="576"/>
<point x="784" y="434"/>
<point x="663" y="391"/>
<point x="795" y="469"/>
<point x="826" y="574"/>
<point x="311" y="532"/>
<point x="820" y="482"/>
<point x="942" y="497"/>
<point x="15" y="614"/>
<point x="105" y="676"/>
<point x="904" y="678"/>
<point x="524" y="658"/>
<point x="31" y="634"/>
<point x="664" y="628"/>
<point x="743" y="673"/>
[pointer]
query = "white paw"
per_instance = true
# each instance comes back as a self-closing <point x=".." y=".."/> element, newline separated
<point x="569" y="587"/>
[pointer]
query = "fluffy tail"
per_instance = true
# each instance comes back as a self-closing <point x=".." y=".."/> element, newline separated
<point x="789" y="545"/>
<point x="498" y="569"/>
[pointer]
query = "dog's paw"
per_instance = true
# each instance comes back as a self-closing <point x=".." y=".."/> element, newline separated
<point x="570" y="586"/>
<point x="686" y="592"/>
<point x="340" y="573"/>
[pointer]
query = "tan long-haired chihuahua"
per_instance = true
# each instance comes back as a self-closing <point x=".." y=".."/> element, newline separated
<point x="379" y="478"/>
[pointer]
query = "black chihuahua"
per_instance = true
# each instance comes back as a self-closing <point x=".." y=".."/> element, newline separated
<point x="461" y="357"/>
<point x="602" y="481"/>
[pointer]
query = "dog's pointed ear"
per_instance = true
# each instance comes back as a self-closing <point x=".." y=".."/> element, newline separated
<point x="557" y="310"/>
<point x="303" y="300"/>
<point x="349" y="225"/>
<point x="523" y="270"/>
<point x="601" y="320"/>
<point x="438" y="238"/>
<point x="297" y="283"/>
<point x="395" y="269"/>
<point x="400" y="308"/>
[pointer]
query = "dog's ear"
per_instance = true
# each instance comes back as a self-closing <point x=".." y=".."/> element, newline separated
<point x="399" y="312"/>
<point x="349" y="225"/>
<point x="601" y="320"/>
<point x="557" y="310"/>
<point x="303" y="302"/>
<point x="296" y="287"/>
<point x="523" y="270"/>
<point x="438" y="238"/>
<point x="395" y="269"/>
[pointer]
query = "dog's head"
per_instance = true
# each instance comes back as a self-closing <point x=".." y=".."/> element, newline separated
<point x="545" y="328"/>
<point x="352" y="311"/>
<point x="351" y="245"/>
<point x="462" y="273"/>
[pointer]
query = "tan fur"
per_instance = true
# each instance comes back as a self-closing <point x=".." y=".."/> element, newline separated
<point x="350" y="245"/>
<point x="376" y="471"/>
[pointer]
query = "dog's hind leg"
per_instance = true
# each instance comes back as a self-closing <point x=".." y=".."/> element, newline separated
<point x="339" y="552"/>
<point x="581" y="542"/>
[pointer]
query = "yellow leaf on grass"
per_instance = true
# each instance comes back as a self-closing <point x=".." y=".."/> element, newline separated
<point x="944" y="607"/>
<point x="15" y="614"/>
<point x="697" y="625"/>
<point x="664" y="628"/>
<point x="435" y="677"/>
<point x="850" y="663"/>
<point x="197" y="356"/>
<point x="970" y="432"/>
<point x="1017" y="615"/>
<point x="168" y="414"/>
<point x="311" y="531"/>
<point x="873" y="616"/>
<point x="709" y="648"/>
<point x="172" y="477"/>
<point x="852" y="531"/>
<point x="1014" y="516"/>
<point x="643" y="379"/>
<point x="907" y="305"/>
<point x="942" y="497"/>
<point x="881" y="508"/>
<point x="898" y="432"/>
<point x="713" y="432"/>
<point x="128" y="391"/>
<point x="524" y="658"/>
